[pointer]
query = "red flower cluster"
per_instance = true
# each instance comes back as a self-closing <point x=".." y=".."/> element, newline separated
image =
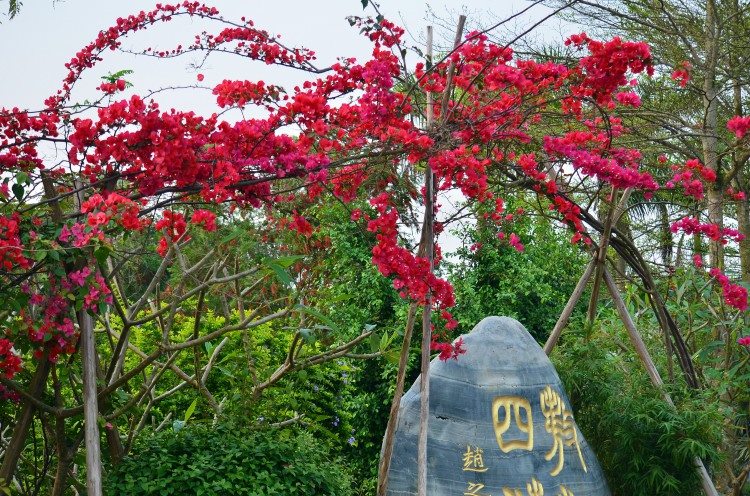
<point x="739" y="125"/>
<point x="592" y="154"/>
<point x="734" y="294"/>
<point x="10" y="362"/>
<point x="685" y="176"/>
<point x="173" y="225"/>
<point x="608" y="65"/>
<point x="205" y="219"/>
<point x="412" y="275"/>
<point x="629" y="99"/>
<point x="111" y="88"/>
<point x="682" y="73"/>
<point x="11" y="248"/>
<point x="122" y="210"/>
<point x="239" y="93"/>
<point x="692" y="225"/>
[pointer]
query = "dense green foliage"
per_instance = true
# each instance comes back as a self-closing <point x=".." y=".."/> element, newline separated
<point x="203" y="460"/>
<point x="531" y="286"/>
<point x="645" y="446"/>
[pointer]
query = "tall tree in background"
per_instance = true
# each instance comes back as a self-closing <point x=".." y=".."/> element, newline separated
<point x="700" y="53"/>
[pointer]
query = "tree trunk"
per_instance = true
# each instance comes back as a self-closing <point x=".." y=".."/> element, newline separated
<point x="709" y="138"/>
<point x="743" y="225"/>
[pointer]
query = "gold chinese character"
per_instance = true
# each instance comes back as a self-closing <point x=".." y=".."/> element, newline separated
<point x="533" y="488"/>
<point x="474" y="489"/>
<point x="559" y="422"/>
<point x="564" y="491"/>
<point x="512" y="407"/>
<point x="473" y="461"/>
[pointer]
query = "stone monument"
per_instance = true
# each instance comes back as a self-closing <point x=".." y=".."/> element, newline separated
<point x="500" y="424"/>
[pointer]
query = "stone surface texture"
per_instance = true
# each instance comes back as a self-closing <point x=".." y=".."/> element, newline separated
<point x="481" y="440"/>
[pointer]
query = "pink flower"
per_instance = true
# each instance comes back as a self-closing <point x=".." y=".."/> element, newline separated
<point x="629" y="99"/>
<point x="515" y="242"/>
<point x="739" y="125"/>
<point x="204" y="218"/>
<point x="79" y="277"/>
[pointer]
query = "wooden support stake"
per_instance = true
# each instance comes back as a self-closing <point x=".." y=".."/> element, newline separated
<point x="653" y="372"/>
<point x="429" y="238"/>
<point x="568" y="310"/>
<point x="90" y="406"/>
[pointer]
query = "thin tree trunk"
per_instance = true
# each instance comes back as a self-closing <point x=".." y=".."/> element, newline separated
<point x="23" y="424"/>
<point x="666" y="240"/>
<point x="743" y="223"/>
<point x="90" y="406"/>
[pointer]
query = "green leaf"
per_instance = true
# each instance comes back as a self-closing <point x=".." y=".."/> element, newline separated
<point x="191" y="409"/>
<point x="384" y="341"/>
<point x="365" y="3"/>
<point x="18" y="191"/>
<point x="392" y="356"/>
<point x="231" y="236"/>
<point x="22" y="177"/>
<point x="101" y="254"/>
<point x="282" y="275"/>
<point x="307" y="335"/>
<point x="311" y="311"/>
<point x="288" y="260"/>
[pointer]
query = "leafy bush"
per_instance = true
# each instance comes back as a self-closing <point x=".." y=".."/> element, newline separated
<point x="645" y="447"/>
<point x="199" y="460"/>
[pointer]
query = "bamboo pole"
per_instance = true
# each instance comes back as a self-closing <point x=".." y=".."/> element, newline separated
<point x="568" y="310"/>
<point x="429" y="238"/>
<point x="90" y="406"/>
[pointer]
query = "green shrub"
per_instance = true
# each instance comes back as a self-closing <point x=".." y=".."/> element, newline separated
<point x="199" y="460"/>
<point x="645" y="447"/>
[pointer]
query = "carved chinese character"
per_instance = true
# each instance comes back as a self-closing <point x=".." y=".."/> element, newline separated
<point x="533" y="488"/>
<point x="558" y="421"/>
<point x="505" y="409"/>
<point x="474" y="489"/>
<point x="473" y="460"/>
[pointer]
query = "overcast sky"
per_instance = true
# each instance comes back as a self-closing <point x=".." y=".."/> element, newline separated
<point x="36" y="44"/>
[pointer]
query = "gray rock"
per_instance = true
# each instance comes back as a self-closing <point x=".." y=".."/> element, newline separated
<point x="500" y="424"/>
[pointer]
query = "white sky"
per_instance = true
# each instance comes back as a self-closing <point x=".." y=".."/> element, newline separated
<point x="36" y="44"/>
